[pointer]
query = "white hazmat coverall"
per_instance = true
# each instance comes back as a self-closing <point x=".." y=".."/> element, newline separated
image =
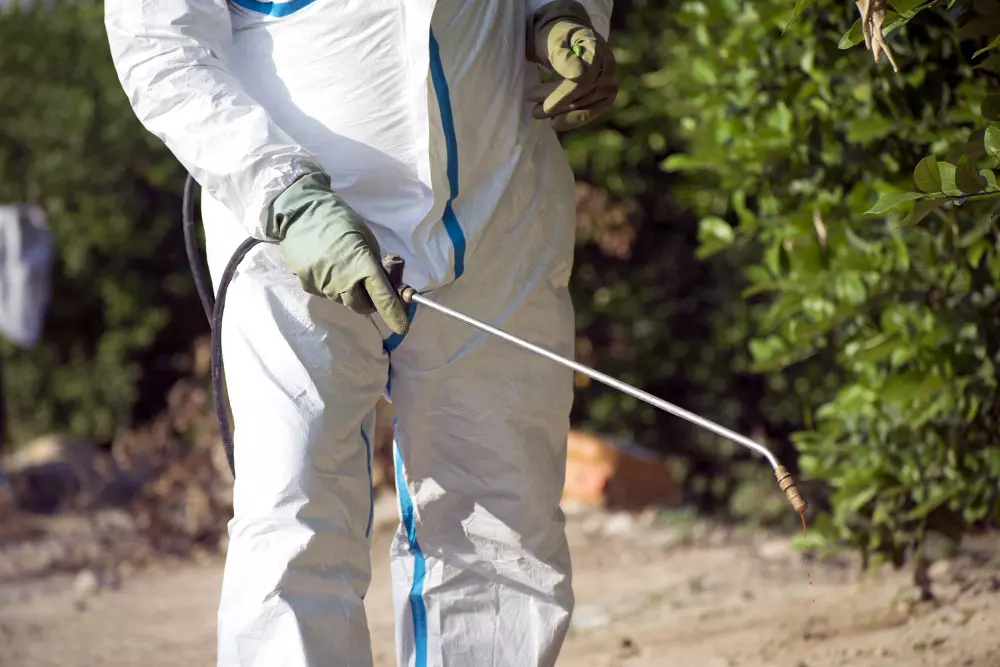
<point x="417" y="112"/>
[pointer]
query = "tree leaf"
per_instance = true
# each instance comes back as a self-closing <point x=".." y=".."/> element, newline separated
<point x="894" y="21"/>
<point x="784" y="260"/>
<point x="902" y="389"/>
<point x="991" y="179"/>
<point x="992" y="141"/>
<point x="929" y="387"/>
<point x="980" y="229"/>
<point x="875" y="349"/>
<point x="967" y="179"/>
<point x="991" y="63"/>
<point x="800" y="6"/>
<point x="970" y="150"/>
<point x="989" y="47"/>
<point x="976" y="252"/>
<point x="910" y="387"/>
<point x="681" y="162"/>
<point x="982" y="26"/>
<point x="715" y="235"/>
<point x="948" y="185"/>
<point x="850" y="288"/>
<point x="921" y="210"/>
<point x="904" y="6"/>
<point x="927" y="175"/>
<point x="938" y="498"/>
<point x="870" y="128"/>
<point x="890" y="200"/>
<point x="852" y="37"/>
<point x="716" y="230"/>
<point x="990" y="108"/>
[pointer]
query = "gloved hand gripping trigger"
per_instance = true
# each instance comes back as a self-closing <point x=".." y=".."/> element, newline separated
<point x="393" y="266"/>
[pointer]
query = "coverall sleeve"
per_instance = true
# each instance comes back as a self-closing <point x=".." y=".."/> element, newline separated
<point x="599" y="11"/>
<point x="170" y="58"/>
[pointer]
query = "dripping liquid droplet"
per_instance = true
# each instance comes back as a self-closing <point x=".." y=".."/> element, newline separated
<point x="805" y="533"/>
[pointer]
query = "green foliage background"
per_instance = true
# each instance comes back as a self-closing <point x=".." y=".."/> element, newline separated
<point x="123" y="304"/>
<point x="725" y="261"/>
<point x="877" y="336"/>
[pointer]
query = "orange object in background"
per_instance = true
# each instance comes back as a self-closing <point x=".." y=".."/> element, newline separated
<point x="606" y="473"/>
<point x="600" y="472"/>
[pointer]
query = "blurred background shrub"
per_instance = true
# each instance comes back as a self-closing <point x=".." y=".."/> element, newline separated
<point x="725" y="259"/>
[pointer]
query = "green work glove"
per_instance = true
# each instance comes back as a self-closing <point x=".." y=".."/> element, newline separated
<point x="332" y="251"/>
<point x="562" y="39"/>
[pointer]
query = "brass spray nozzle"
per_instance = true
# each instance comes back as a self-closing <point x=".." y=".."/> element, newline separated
<point x="787" y="484"/>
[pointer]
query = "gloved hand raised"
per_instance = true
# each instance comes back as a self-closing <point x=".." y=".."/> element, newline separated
<point x="561" y="38"/>
<point x="332" y="250"/>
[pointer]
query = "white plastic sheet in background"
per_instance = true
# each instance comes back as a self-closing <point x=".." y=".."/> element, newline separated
<point x="26" y="255"/>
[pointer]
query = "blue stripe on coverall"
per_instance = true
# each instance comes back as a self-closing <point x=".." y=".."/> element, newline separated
<point x="450" y="220"/>
<point x="417" y="608"/>
<point x="451" y="225"/>
<point x="371" y="489"/>
<point x="274" y="8"/>
<point x="457" y="236"/>
<point x="393" y="341"/>
<point x="371" y="485"/>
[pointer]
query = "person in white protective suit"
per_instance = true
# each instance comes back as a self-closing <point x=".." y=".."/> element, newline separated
<point x="340" y="129"/>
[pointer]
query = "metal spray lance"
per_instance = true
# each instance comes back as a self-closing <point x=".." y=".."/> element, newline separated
<point x="393" y="265"/>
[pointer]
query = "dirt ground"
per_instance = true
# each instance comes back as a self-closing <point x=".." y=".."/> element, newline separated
<point x="650" y="592"/>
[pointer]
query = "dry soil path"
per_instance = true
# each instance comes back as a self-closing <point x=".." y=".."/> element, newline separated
<point x="645" y="598"/>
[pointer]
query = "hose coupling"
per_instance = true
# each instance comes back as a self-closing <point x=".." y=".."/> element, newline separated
<point x="406" y="293"/>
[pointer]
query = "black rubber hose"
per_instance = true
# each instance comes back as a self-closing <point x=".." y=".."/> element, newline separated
<point x="216" y="350"/>
<point x="213" y="308"/>
<point x="202" y="281"/>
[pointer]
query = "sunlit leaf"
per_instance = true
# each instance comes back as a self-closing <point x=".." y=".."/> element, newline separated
<point x="680" y="162"/>
<point x="715" y="229"/>
<point x="890" y="200"/>
<point x="852" y="37"/>
<point x="948" y="176"/>
<point x="991" y="179"/>
<point x="850" y="288"/>
<point x="992" y="141"/>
